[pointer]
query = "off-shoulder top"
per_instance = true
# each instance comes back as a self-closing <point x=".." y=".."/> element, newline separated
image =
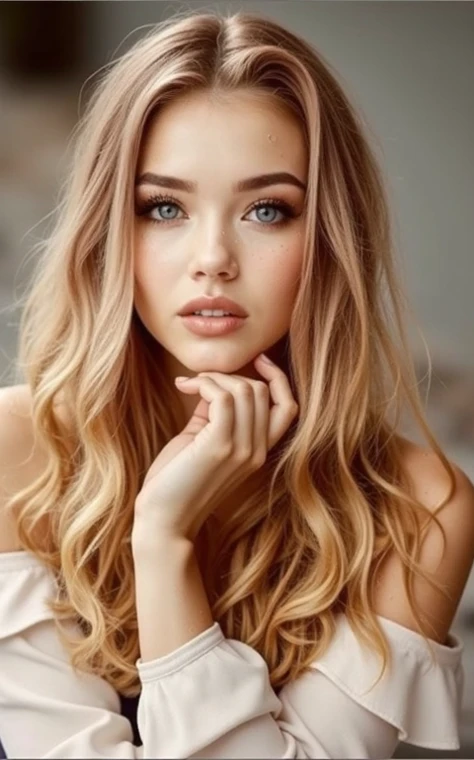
<point x="212" y="696"/>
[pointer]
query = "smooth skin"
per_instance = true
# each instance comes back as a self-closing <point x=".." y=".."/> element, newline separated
<point x="225" y="441"/>
<point x="211" y="241"/>
<point x="219" y="245"/>
<point x="216" y="244"/>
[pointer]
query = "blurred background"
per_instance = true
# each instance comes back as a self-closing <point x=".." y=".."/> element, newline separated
<point x="409" y="69"/>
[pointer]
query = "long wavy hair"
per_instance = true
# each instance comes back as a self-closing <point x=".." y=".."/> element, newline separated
<point x="333" y="497"/>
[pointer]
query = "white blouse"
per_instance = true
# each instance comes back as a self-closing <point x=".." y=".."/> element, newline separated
<point x="212" y="697"/>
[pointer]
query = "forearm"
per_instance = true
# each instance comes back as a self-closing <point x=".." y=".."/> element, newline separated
<point x="171" y="601"/>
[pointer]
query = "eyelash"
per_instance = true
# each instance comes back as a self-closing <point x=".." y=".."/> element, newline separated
<point x="156" y="200"/>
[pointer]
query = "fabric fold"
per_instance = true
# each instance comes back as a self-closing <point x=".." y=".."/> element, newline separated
<point x="208" y="676"/>
<point x="25" y="585"/>
<point x="212" y="697"/>
<point x="422" y="699"/>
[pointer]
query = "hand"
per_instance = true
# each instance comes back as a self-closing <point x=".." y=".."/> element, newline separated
<point x="227" y="438"/>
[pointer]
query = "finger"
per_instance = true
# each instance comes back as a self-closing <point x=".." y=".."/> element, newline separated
<point x="261" y="418"/>
<point x="221" y="410"/>
<point x="285" y="408"/>
<point x="259" y="434"/>
<point x="244" y="406"/>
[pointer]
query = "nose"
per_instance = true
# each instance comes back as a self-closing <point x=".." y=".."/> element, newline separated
<point x="213" y="257"/>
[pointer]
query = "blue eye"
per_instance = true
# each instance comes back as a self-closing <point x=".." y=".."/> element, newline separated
<point x="164" y="204"/>
<point x="164" y="208"/>
<point x="273" y="208"/>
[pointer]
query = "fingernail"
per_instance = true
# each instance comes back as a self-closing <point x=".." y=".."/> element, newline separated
<point x="181" y="379"/>
<point x="265" y="358"/>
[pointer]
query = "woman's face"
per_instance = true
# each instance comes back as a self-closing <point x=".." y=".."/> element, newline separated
<point x="209" y="240"/>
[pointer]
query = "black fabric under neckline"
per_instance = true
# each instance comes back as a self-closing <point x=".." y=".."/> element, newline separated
<point x="128" y="708"/>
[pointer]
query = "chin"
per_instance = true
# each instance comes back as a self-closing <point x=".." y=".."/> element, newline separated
<point x="227" y="363"/>
<point x="225" y="366"/>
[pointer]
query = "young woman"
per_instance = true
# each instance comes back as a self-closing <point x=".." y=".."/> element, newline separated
<point x="254" y="558"/>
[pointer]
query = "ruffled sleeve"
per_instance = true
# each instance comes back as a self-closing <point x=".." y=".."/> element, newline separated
<point x="46" y="710"/>
<point x="421" y="699"/>
<point x="215" y="696"/>
<point x="212" y="696"/>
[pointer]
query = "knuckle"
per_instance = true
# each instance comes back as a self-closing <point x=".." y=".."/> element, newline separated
<point x="243" y="454"/>
<point x="226" y="397"/>
<point x="244" y="391"/>
<point x="216" y="456"/>
<point x="225" y="450"/>
<point x="259" y="459"/>
<point x="294" y="409"/>
<point x="262" y="390"/>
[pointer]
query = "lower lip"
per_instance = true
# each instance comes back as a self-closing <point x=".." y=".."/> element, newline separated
<point x="210" y="326"/>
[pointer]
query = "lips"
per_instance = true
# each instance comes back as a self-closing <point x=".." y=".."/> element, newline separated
<point x="219" y="302"/>
<point x="212" y="327"/>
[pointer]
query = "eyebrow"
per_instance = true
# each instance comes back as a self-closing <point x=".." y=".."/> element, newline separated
<point x="251" y="183"/>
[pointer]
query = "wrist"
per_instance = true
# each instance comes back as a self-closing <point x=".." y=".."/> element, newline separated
<point x="149" y="541"/>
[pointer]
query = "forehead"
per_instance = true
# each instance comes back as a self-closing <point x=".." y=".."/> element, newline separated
<point x="246" y="124"/>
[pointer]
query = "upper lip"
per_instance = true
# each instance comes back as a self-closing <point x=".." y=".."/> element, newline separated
<point x="220" y="302"/>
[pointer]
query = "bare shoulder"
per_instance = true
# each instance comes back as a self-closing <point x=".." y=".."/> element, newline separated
<point x="20" y="458"/>
<point x="430" y="483"/>
<point x="450" y="564"/>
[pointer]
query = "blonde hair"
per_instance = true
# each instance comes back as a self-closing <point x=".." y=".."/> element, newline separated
<point x="294" y="555"/>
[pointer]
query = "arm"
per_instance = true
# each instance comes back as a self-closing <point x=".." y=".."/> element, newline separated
<point x="216" y="694"/>
<point x="416" y="705"/>
<point x="172" y="605"/>
<point x="211" y="697"/>
<point x="48" y="710"/>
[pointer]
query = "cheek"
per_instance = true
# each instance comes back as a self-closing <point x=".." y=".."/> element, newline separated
<point x="282" y="276"/>
<point x="153" y="272"/>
